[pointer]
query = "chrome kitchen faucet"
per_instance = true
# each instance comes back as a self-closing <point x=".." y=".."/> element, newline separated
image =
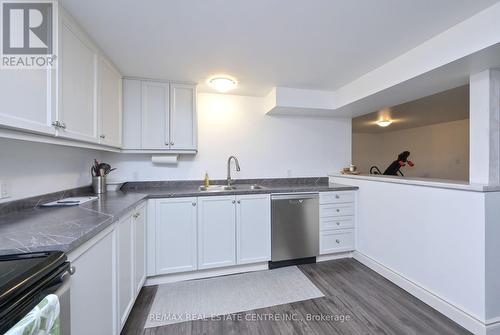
<point x="229" y="180"/>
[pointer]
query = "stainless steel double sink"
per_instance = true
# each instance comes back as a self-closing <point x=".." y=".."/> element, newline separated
<point x="236" y="187"/>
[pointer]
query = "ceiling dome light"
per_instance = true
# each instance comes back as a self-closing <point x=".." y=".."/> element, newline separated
<point x="222" y="83"/>
<point x="384" y="123"/>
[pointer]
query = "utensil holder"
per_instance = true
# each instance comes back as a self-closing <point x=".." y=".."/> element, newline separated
<point x="99" y="185"/>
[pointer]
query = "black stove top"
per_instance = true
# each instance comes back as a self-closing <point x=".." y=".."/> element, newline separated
<point x="23" y="277"/>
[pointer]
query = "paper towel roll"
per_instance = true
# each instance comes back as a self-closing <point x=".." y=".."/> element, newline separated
<point x="164" y="159"/>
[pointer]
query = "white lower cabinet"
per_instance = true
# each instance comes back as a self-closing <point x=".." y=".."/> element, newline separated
<point x="139" y="247"/>
<point x="253" y="228"/>
<point x="93" y="288"/>
<point x="125" y="255"/>
<point x="336" y="241"/>
<point x="110" y="271"/>
<point x="216" y="231"/>
<point x="131" y="260"/>
<point x="175" y="235"/>
<point x="337" y="222"/>
<point x="189" y="234"/>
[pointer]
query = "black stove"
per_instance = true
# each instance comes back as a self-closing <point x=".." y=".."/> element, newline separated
<point x="25" y="279"/>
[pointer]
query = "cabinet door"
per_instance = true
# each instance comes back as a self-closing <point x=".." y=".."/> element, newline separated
<point x="125" y="274"/>
<point x="132" y="117"/>
<point x="175" y="235"/>
<point x="30" y="108"/>
<point x="110" y="110"/>
<point x="155" y="119"/>
<point x="183" y="117"/>
<point x="253" y="228"/>
<point x="78" y="71"/>
<point x="139" y="247"/>
<point x="216" y="231"/>
<point x="93" y="290"/>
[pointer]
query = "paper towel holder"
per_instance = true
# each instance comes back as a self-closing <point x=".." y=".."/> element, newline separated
<point x="167" y="159"/>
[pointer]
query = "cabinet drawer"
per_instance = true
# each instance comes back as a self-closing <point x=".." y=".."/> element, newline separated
<point x="335" y="197"/>
<point x="336" y="210"/>
<point x="336" y="241"/>
<point x="332" y="223"/>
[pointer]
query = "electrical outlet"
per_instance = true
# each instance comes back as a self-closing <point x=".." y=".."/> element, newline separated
<point x="4" y="189"/>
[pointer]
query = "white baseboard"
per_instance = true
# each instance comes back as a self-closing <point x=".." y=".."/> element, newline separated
<point x="199" y="274"/>
<point x="493" y="329"/>
<point x="176" y="277"/>
<point x="331" y="257"/>
<point x="459" y="316"/>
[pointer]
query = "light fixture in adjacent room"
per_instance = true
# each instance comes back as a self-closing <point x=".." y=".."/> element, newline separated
<point x="222" y="83"/>
<point x="384" y="122"/>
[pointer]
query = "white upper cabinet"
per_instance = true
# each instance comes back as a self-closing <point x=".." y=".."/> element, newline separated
<point x="29" y="108"/>
<point x="80" y="100"/>
<point x="159" y="116"/>
<point x="183" y="134"/>
<point x="77" y="111"/>
<point x="110" y="101"/>
<point x="253" y="228"/>
<point x="155" y="119"/>
<point x="216" y="232"/>
<point x="132" y="117"/>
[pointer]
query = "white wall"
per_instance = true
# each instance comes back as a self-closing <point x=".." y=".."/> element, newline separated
<point x="492" y="260"/>
<point x="34" y="168"/>
<point x="431" y="237"/>
<point x="438" y="151"/>
<point x="266" y="146"/>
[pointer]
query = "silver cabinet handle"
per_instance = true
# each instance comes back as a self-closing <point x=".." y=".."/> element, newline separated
<point x="194" y="204"/>
<point x="234" y="201"/>
<point x="337" y="196"/>
<point x="239" y="201"/>
<point x="136" y="215"/>
<point x="58" y="124"/>
<point x="338" y="223"/>
<point x="338" y="210"/>
<point x="102" y="136"/>
<point x="172" y="143"/>
<point x="338" y="241"/>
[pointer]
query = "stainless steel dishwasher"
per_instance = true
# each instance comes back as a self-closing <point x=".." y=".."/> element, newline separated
<point x="295" y="228"/>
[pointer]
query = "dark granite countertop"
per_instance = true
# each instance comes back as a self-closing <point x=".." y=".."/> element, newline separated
<point x="175" y="189"/>
<point x="62" y="228"/>
<point x="29" y="228"/>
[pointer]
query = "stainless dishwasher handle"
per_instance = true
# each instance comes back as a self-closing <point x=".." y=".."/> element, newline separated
<point x="298" y="196"/>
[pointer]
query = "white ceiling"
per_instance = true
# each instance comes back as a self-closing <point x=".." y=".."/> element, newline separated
<point x="447" y="106"/>
<point x="320" y="44"/>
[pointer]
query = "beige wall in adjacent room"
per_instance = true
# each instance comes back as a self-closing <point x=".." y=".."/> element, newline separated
<point x="438" y="151"/>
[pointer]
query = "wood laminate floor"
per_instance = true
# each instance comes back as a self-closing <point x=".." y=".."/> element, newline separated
<point x="357" y="301"/>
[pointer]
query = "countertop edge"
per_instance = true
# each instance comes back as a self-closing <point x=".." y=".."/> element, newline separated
<point x="435" y="183"/>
